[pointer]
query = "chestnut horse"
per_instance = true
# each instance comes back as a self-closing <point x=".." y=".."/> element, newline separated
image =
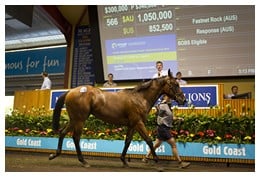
<point x="128" y="107"/>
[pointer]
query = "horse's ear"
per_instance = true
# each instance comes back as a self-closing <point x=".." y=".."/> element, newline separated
<point x="170" y="73"/>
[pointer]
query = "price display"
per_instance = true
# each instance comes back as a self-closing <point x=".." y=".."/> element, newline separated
<point x="128" y="20"/>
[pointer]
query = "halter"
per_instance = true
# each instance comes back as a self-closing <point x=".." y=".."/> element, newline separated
<point x="171" y="86"/>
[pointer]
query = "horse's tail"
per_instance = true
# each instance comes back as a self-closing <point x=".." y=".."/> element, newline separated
<point x="57" y="111"/>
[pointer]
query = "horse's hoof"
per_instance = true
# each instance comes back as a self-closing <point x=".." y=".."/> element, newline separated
<point x="125" y="165"/>
<point x="52" y="156"/>
<point x="85" y="165"/>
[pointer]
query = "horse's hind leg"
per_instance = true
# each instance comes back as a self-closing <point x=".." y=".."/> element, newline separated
<point x="76" y="138"/>
<point x="144" y="134"/>
<point x="129" y="137"/>
<point x="61" y="138"/>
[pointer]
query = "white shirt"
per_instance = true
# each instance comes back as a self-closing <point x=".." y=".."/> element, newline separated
<point x="229" y="96"/>
<point x="181" y="82"/>
<point x="160" y="74"/>
<point x="109" y="84"/>
<point x="46" y="84"/>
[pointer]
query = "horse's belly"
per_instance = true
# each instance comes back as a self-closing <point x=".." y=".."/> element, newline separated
<point x="113" y="119"/>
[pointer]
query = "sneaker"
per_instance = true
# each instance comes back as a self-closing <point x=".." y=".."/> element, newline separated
<point x="145" y="160"/>
<point x="184" y="164"/>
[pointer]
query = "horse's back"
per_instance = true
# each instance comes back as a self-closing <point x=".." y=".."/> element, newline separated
<point x="81" y="96"/>
<point x="88" y="94"/>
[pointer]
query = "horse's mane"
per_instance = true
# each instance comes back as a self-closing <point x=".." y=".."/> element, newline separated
<point x="147" y="84"/>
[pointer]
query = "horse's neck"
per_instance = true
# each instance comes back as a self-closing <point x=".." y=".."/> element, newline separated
<point x="152" y="94"/>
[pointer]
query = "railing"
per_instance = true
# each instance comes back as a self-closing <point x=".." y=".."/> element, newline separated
<point x="238" y="107"/>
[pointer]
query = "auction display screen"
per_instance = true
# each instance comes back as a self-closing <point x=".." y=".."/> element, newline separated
<point x="199" y="41"/>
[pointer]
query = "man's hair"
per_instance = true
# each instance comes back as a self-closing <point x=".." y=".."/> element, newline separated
<point x="159" y="62"/>
<point x="234" y="86"/>
<point x="45" y="74"/>
<point x="178" y="73"/>
<point x="110" y="74"/>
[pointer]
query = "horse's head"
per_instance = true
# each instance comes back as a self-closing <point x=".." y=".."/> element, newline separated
<point x="173" y="90"/>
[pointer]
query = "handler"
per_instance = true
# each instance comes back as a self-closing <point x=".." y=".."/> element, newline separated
<point x="164" y="124"/>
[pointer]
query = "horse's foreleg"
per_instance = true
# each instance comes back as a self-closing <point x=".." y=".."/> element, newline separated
<point x="61" y="138"/>
<point x="144" y="134"/>
<point x="129" y="137"/>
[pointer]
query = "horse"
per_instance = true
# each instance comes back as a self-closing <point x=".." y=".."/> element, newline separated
<point x="127" y="107"/>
